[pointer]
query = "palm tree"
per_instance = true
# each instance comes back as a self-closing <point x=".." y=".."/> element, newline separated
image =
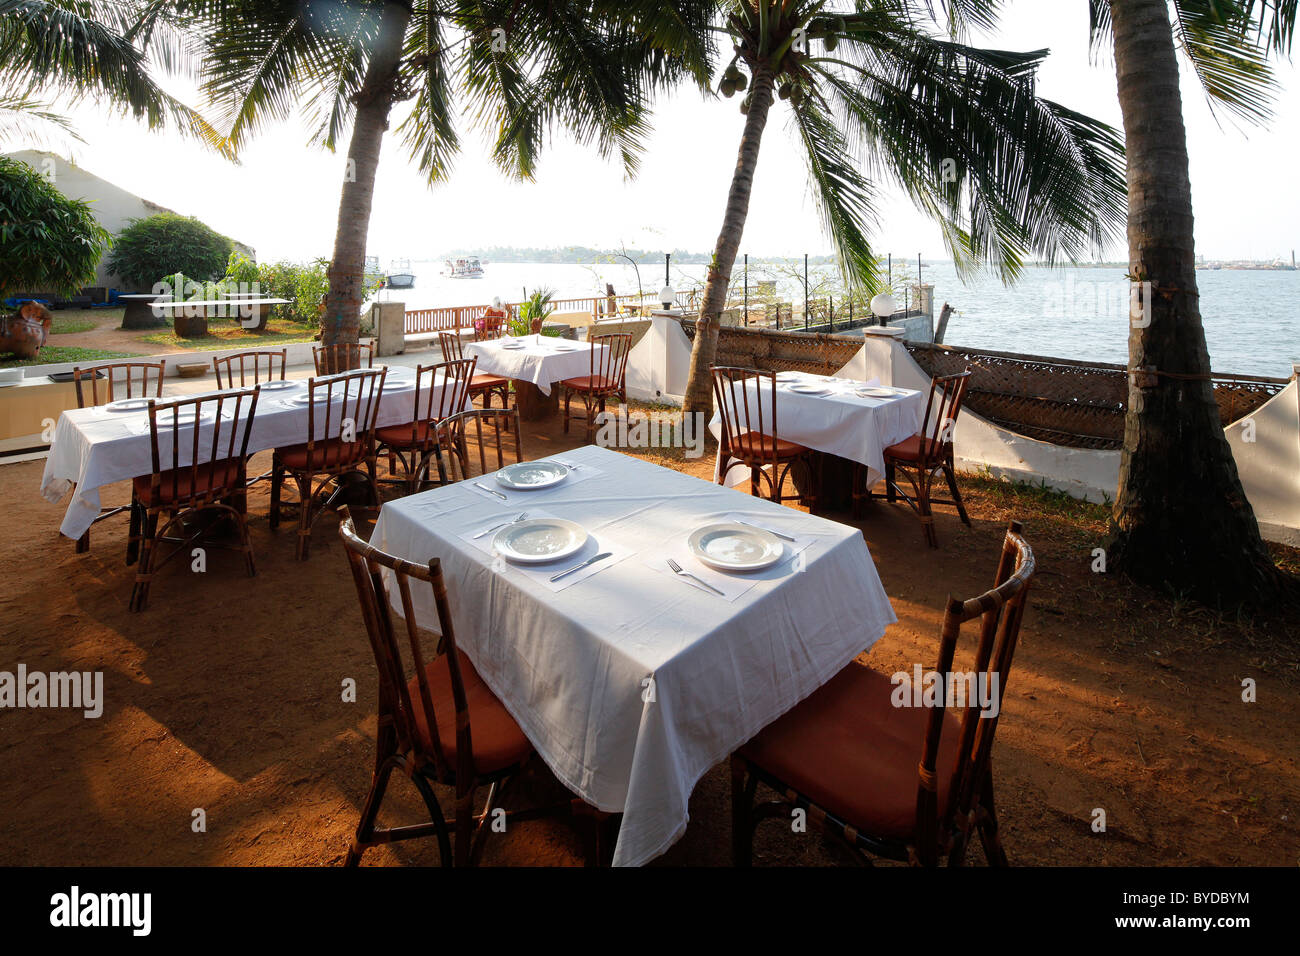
<point x="521" y="69"/>
<point x="86" y="49"/>
<point x="875" y="95"/>
<point x="1181" y="519"/>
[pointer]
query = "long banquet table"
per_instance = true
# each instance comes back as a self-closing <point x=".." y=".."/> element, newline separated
<point x="93" y="447"/>
<point x="630" y="682"/>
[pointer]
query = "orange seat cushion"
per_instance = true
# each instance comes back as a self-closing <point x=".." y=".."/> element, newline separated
<point x="756" y="445"/>
<point x="481" y="382"/>
<point x="495" y="738"/>
<point x="915" y="448"/>
<point x="327" y="454"/>
<point x="189" y="483"/>
<point x="591" y="383"/>
<point x="399" y="436"/>
<point x="849" y="750"/>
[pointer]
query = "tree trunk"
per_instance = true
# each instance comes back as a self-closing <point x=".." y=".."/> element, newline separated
<point x="1181" y="520"/>
<point x="699" y="386"/>
<point x="341" y="320"/>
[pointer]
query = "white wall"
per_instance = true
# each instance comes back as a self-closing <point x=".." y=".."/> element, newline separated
<point x="111" y="205"/>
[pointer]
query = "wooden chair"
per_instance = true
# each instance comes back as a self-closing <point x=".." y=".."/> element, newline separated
<point x="257" y="365"/>
<point x="441" y="724"/>
<point x="440" y="392"/>
<point x="196" y="467"/>
<point x="481" y="384"/>
<point x="923" y="456"/>
<point x="606" y="378"/>
<point x="746" y="401"/>
<point x="340" y="443"/>
<point x="491" y="325"/>
<point x="342" y="357"/>
<point x="490" y="449"/>
<point x="905" y="783"/>
<point x="121" y="380"/>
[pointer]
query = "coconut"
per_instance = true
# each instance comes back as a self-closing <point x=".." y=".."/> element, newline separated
<point x="783" y="91"/>
<point x="744" y="105"/>
<point x="728" y="88"/>
<point x="741" y="81"/>
<point x="796" y="95"/>
<point x="832" y="41"/>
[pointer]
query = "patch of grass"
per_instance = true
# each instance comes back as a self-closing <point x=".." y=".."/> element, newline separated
<point x="224" y="333"/>
<point x="66" y="324"/>
<point x="55" y="353"/>
<point x="1044" y="498"/>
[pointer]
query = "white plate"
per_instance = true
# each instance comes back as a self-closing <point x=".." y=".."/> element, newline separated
<point x="531" y="475"/>
<point x="128" y="405"/>
<point x="280" y="384"/>
<point x="876" y="391"/>
<point x="566" y="348"/>
<point x="809" y="388"/>
<point x="538" y="540"/>
<point x="306" y="398"/>
<point x="730" y="546"/>
<point x="511" y="344"/>
<point x="789" y="376"/>
<point x="401" y="385"/>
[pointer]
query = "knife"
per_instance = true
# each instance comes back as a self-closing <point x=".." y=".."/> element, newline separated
<point x="578" y="567"/>
<point x="483" y="487"/>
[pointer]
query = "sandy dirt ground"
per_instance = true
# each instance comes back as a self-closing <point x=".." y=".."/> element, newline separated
<point x="225" y="696"/>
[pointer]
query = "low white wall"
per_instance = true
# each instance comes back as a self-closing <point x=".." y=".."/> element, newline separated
<point x="297" y="353"/>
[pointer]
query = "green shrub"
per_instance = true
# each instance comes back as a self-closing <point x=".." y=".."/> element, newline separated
<point x="537" y="305"/>
<point x="48" y="242"/>
<point x="305" y="284"/>
<point x="167" y="243"/>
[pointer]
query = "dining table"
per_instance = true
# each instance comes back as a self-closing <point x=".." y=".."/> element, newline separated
<point x="94" y="447"/>
<point x="631" y="680"/>
<point x="534" y="363"/>
<point x="850" y="422"/>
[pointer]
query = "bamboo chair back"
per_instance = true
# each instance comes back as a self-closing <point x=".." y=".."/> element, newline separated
<point x="372" y="571"/>
<point x="609" y="364"/>
<point x="999" y="611"/>
<point x="255" y="367"/>
<point x="491" y="445"/>
<point x="190" y="438"/>
<point x="746" y="401"/>
<point x="342" y="357"/>
<point x="135" y="379"/>
<point x="333" y="403"/>
<point x="941" y="410"/>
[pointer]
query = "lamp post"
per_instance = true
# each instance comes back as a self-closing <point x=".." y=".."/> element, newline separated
<point x="883" y="306"/>
<point x="666" y="295"/>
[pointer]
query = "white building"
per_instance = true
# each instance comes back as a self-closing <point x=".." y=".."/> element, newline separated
<point x="113" y="206"/>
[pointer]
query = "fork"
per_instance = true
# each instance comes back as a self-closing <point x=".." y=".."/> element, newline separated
<point x="677" y="570"/>
<point x="498" y="527"/>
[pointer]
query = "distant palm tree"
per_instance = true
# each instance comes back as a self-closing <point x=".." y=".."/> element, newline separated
<point x="1181" y="518"/>
<point x="877" y="98"/>
<point x="521" y="69"/>
<point x="85" y="49"/>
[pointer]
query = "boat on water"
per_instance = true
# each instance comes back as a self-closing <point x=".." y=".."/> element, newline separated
<point x="464" y="267"/>
<point x="400" y="275"/>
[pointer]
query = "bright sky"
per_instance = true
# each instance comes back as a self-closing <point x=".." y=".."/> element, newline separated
<point x="283" y="198"/>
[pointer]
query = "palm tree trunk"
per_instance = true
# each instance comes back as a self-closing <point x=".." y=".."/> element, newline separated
<point x="341" y="319"/>
<point x="1181" y="519"/>
<point x="699" y="387"/>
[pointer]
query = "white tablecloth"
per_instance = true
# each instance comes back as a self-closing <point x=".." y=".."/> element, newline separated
<point x="572" y="665"/>
<point x="93" y="447"/>
<point x="840" y="422"/>
<point x="541" y="360"/>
